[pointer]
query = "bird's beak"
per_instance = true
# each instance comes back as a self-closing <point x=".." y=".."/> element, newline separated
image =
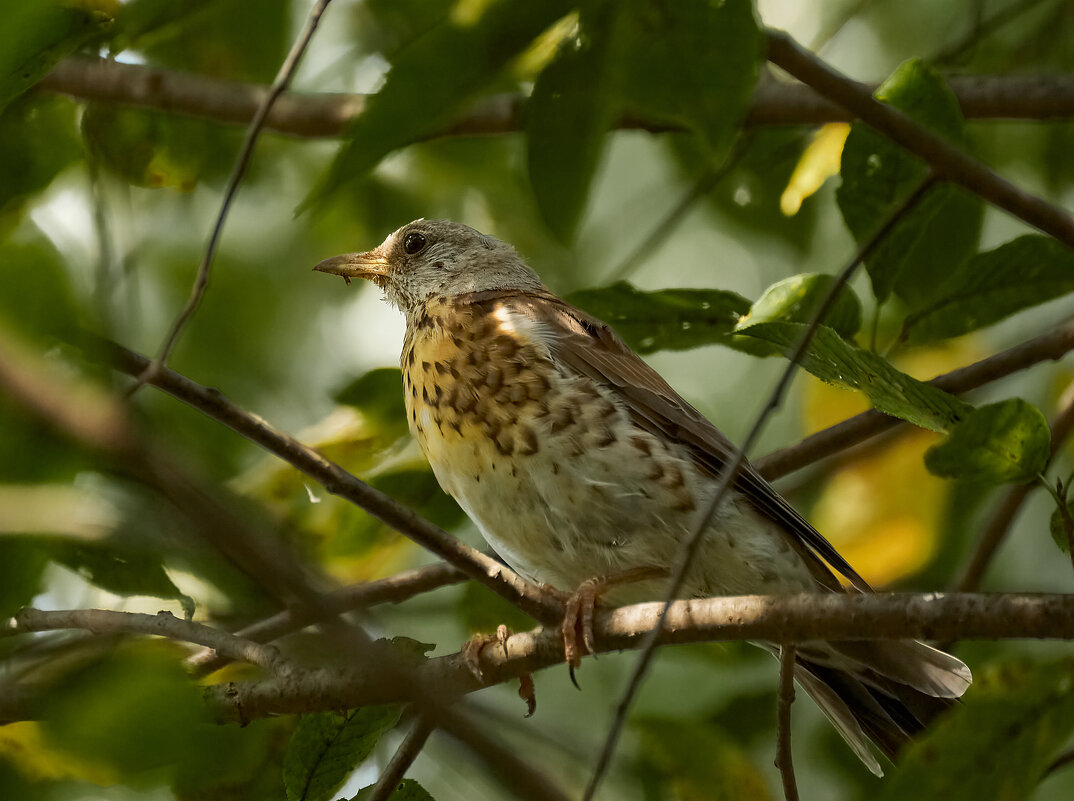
<point x="369" y="265"/>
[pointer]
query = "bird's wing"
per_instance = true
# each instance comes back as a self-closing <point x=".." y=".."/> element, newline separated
<point x="593" y="349"/>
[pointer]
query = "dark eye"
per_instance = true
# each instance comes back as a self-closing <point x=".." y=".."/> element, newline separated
<point x="413" y="243"/>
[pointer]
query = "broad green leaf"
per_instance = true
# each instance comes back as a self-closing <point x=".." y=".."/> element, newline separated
<point x="572" y="106"/>
<point x="135" y="710"/>
<point x="417" y="488"/>
<point x="832" y="359"/>
<point x="378" y="395"/>
<point x="146" y="148"/>
<point x="37" y="301"/>
<point x="997" y="745"/>
<point x="406" y="790"/>
<point x="38" y="138"/>
<point x="1002" y="442"/>
<point x="36" y="35"/>
<point x="22" y="561"/>
<point x="1057" y="527"/>
<point x="435" y="77"/>
<point x="699" y="761"/>
<point x="692" y="63"/>
<point x="942" y="231"/>
<point x="326" y="747"/>
<point x="120" y="569"/>
<point x="983" y="290"/>
<point x="796" y="300"/>
<point x="671" y="319"/>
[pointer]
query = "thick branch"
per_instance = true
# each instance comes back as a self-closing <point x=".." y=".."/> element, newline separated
<point x="797" y="618"/>
<point x="946" y="160"/>
<point x="1034" y="97"/>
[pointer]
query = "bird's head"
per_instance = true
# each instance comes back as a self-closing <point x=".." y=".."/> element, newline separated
<point x="426" y="259"/>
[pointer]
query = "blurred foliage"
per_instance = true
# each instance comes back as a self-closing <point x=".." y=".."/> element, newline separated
<point x="104" y="212"/>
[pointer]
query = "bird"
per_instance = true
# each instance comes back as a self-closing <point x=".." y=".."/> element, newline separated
<point x="580" y="465"/>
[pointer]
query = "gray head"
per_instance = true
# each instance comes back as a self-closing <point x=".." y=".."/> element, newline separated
<point x="430" y="258"/>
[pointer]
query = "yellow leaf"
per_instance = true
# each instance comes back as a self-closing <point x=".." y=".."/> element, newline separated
<point x="819" y="162"/>
<point x="22" y="745"/>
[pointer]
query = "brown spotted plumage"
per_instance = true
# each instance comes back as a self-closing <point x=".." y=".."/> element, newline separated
<point x="577" y="461"/>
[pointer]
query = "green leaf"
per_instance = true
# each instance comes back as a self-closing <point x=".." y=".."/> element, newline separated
<point x="38" y="139"/>
<point x="326" y="747"/>
<point x="671" y="319"/>
<point x="146" y="148"/>
<point x="943" y="230"/>
<point x="1002" y="442"/>
<point x="378" y="395"/>
<point x="482" y="611"/>
<point x="990" y="286"/>
<point x="832" y="359"/>
<point x="572" y="106"/>
<point x="692" y="63"/>
<point x="796" y="300"/>
<point x="1057" y="526"/>
<point x="22" y="561"/>
<point x="700" y="761"/>
<point x="997" y="745"/>
<point x="35" y="36"/>
<point x="37" y="300"/>
<point x="406" y="790"/>
<point x="121" y="570"/>
<point x="434" y="78"/>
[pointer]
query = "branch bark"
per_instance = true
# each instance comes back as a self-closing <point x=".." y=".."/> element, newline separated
<point x="1033" y="97"/>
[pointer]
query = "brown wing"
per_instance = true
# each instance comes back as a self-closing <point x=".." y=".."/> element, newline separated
<point x="593" y="349"/>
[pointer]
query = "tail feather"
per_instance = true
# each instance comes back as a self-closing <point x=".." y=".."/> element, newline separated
<point x="884" y="692"/>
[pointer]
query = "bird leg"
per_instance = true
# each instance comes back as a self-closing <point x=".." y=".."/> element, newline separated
<point x="471" y="649"/>
<point x="581" y="604"/>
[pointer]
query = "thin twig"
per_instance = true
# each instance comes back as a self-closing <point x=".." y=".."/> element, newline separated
<point x="242" y="162"/>
<point x="162" y="624"/>
<point x="689" y="548"/>
<point x="402" y="759"/>
<point x="329" y="115"/>
<point x="983" y="29"/>
<point x="1051" y="346"/>
<point x="393" y="589"/>
<point x="1000" y="522"/>
<point x="783" y="721"/>
<point x="946" y="160"/>
<point x="493" y="574"/>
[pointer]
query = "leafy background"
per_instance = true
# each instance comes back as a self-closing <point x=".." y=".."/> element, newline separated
<point x="684" y="236"/>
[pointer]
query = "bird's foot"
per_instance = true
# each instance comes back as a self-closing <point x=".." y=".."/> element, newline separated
<point x="580" y="607"/>
<point x="471" y="650"/>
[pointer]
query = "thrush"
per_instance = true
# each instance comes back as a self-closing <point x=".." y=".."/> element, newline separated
<point x="577" y="461"/>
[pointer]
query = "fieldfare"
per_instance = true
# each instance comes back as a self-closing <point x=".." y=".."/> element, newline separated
<point x="576" y="460"/>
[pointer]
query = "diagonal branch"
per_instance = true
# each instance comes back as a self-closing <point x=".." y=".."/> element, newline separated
<point x="948" y="161"/>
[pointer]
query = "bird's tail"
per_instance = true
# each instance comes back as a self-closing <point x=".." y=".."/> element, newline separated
<point x="879" y="691"/>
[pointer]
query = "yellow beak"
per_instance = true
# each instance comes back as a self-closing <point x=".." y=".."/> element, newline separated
<point x="369" y="265"/>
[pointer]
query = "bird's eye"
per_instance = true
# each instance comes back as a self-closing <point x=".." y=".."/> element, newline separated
<point x="413" y="243"/>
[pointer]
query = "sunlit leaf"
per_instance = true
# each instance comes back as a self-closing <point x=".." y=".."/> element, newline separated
<point x="833" y="359"/>
<point x="997" y="745"/>
<point x="942" y="231"/>
<point x="572" y="106"/>
<point x="1002" y="442"/>
<point x="990" y="286"/>
<point x="796" y="300"/>
<point x="671" y="319"/>
<point x="327" y="746"/>
<point x="433" y="78"/>
<point x="819" y="162"/>
<point x="693" y="63"/>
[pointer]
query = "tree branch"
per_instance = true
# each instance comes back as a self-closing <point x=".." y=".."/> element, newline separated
<point x="1033" y="97"/>
<point x="493" y="574"/>
<point x="948" y="161"/>
<point x="162" y="624"/>
<point x="1051" y="346"/>
<point x="783" y="722"/>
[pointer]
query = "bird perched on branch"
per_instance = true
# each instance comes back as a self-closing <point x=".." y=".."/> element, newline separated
<point x="584" y="469"/>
